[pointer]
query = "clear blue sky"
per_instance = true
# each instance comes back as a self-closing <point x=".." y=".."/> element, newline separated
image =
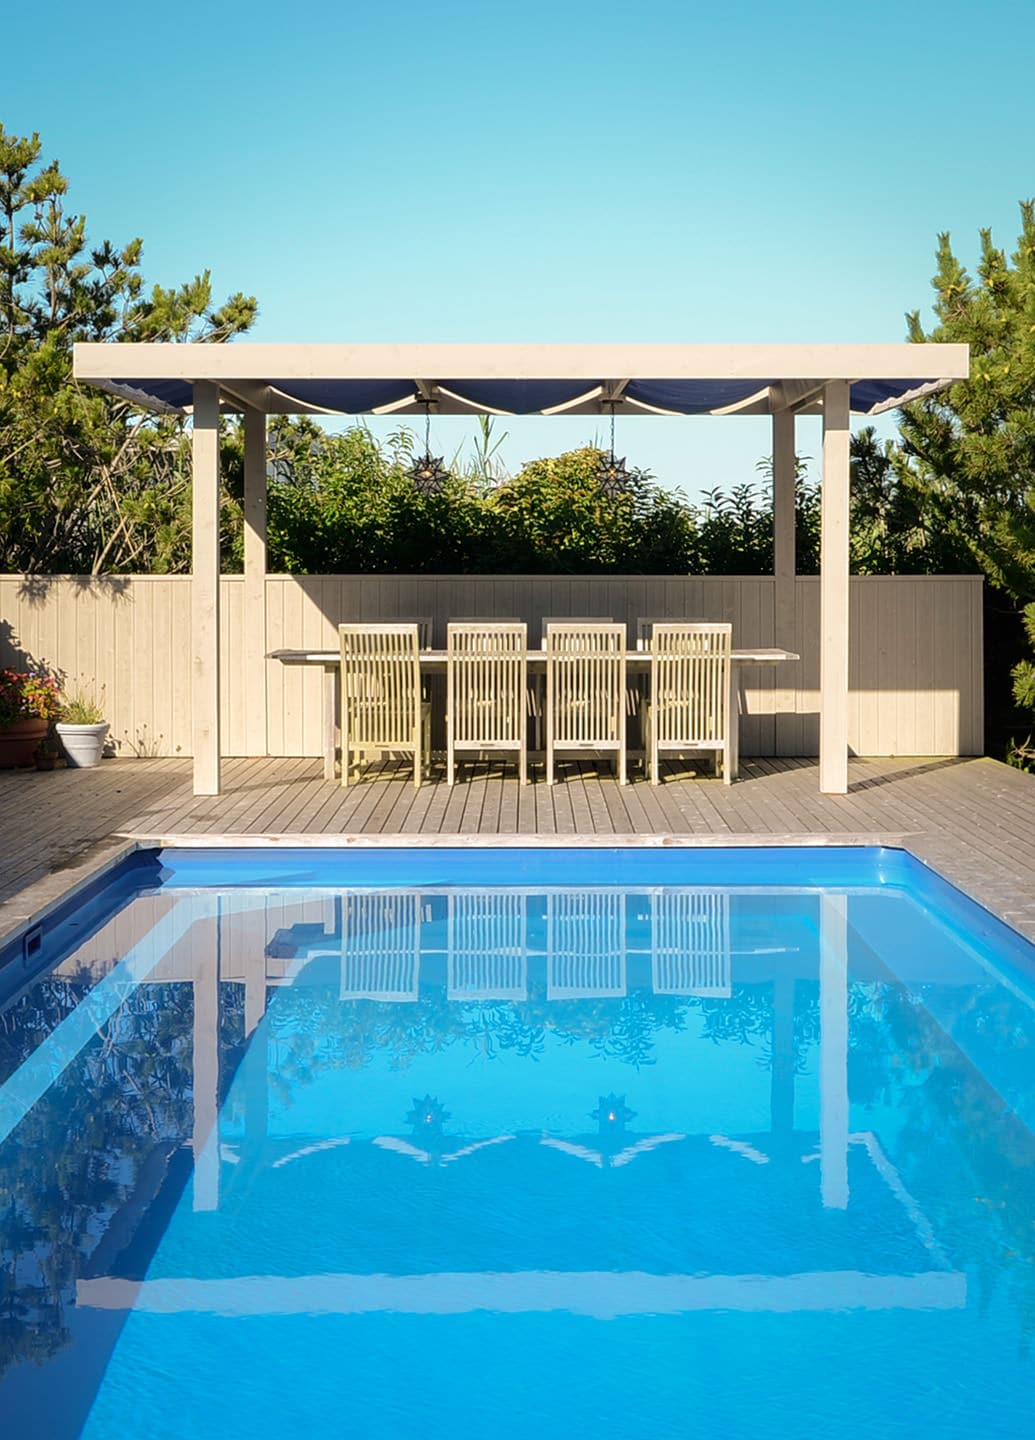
<point x="547" y="171"/>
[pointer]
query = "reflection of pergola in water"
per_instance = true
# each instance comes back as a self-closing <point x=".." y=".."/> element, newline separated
<point x="259" y="1161"/>
<point x="781" y="381"/>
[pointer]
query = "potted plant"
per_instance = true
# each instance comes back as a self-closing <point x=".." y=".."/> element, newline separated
<point x="82" y="730"/>
<point x="45" y="754"/>
<point x="29" y="701"/>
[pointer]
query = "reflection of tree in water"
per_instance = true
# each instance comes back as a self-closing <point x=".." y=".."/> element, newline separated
<point x="312" y="1030"/>
<point x="967" y="1158"/>
<point x="73" y="1160"/>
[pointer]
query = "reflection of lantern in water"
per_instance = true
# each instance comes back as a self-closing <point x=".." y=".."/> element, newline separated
<point x="612" y="1114"/>
<point x="427" y="1116"/>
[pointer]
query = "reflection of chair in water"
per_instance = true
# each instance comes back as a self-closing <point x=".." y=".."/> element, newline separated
<point x="487" y="958"/>
<point x="380" y="946"/>
<point x="585" y="944"/>
<point x="690" y="943"/>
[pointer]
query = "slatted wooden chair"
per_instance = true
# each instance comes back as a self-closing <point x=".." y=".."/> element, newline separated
<point x="549" y="620"/>
<point x="690" y="943"/>
<point x="382" y="709"/>
<point x="688" y="708"/>
<point x="424" y="624"/>
<point x="585" y="692"/>
<point x="645" y="626"/>
<point x="486" y="691"/>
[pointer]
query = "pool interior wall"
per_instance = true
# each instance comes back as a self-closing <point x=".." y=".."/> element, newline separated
<point x="376" y="1244"/>
<point x="58" y="932"/>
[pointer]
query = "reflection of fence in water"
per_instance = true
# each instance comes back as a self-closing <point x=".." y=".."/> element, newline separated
<point x="380" y="946"/>
<point x="690" y="943"/>
<point x="487" y="955"/>
<point x="585" y="943"/>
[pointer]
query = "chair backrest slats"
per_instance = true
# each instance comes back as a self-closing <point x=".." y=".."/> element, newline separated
<point x="380" y="685"/>
<point x="549" y="620"/>
<point x="487" y="682"/>
<point x="690" y="678"/>
<point x="645" y="626"/>
<point x="585" y="682"/>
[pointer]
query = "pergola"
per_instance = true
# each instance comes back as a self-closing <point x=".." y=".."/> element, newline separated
<point x="782" y="381"/>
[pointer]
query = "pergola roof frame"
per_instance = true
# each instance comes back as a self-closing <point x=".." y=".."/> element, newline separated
<point x="781" y="381"/>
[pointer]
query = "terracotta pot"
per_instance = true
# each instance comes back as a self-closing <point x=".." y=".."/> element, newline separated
<point x="18" y="742"/>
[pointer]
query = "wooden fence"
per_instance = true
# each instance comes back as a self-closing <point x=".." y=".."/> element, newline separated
<point x="915" y="671"/>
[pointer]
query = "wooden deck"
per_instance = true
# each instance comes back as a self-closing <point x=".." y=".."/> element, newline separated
<point x="973" y="820"/>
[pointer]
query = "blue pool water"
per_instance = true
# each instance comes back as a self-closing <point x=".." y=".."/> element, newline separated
<point x="459" y="1143"/>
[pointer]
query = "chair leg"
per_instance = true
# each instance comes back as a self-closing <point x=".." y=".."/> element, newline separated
<point x="450" y="760"/>
<point x="549" y="756"/>
<point x="523" y="764"/>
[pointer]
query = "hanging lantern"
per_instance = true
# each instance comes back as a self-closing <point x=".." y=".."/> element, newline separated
<point x="612" y="477"/>
<point x="427" y="1116"/>
<point x="428" y="473"/>
<point x="612" y="1114"/>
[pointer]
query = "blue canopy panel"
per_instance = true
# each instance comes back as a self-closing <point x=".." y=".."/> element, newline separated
<point x="170" y="394"/>
<point x="519" y="397"/>
<point x="350" y="397"/>
<point x="516" y="397"/>
<point x="693" y="397"/>
<point x="870" y="395"/>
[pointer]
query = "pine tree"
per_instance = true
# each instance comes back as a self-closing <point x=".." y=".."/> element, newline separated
<point x="87" y="483"/>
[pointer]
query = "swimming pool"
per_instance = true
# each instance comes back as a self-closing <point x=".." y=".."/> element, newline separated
<point x="460" y="1142"/>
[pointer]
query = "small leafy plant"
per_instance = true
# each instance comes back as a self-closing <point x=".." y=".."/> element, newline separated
<point x="28" y="695"/>
<point x="82" y="709"/>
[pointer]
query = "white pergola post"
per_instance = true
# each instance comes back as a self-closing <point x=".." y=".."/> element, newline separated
<point x="205" y="590"/>
<point x="833" y="592"/>
<point x="254" y="627"/>
<point x="784" y="558"/>
<point x="833" y="1051"/>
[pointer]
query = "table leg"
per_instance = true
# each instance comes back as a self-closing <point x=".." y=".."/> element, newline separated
<point x="331" y="725"/>
<point x="736" y="699"/>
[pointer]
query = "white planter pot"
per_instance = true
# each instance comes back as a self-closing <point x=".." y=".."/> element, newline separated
<point x="82" y="744"/>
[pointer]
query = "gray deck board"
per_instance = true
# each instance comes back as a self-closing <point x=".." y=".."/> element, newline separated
<point x="973" y="820"/>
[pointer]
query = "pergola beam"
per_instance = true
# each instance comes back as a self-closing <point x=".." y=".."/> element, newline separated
<point x="270" y="363"/>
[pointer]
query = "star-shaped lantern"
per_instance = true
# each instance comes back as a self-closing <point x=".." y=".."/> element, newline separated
<point x="612" y="477"/>
<point x="428" y="474"/>
<point x="428" y="1116"/>
<point x="612" y="1114"/>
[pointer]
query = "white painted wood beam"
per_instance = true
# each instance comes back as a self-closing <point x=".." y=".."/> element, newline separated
<point x="765" y="363"/>
<point x="833" y="591"/>
<point x="254" y="618"/>
<point x="205" y="590"/>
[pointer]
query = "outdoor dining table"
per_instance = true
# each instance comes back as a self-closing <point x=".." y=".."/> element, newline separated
<point x="433" y="662"/>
